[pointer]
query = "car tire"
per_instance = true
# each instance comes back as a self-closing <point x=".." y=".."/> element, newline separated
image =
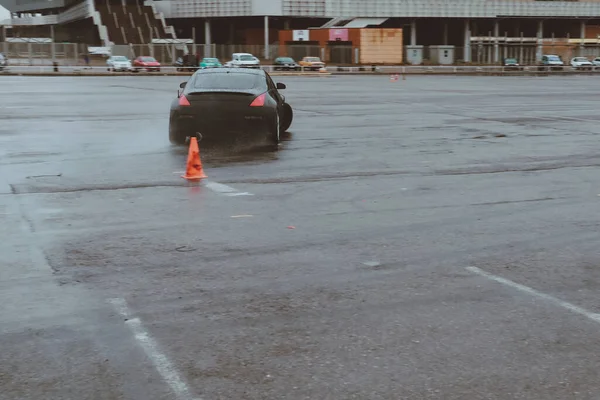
<point x="275" y="131"/>
<point x="288" y="117"/>
<point x="175" y="137"/>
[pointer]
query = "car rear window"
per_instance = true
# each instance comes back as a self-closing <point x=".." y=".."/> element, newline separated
<point x="229" y="81"/>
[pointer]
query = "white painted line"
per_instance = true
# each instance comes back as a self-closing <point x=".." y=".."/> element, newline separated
<point x="224" y="189"/>
<point x="242" y="216"/>
<point x="568" y="306"/>
<point x="162" y="364"/>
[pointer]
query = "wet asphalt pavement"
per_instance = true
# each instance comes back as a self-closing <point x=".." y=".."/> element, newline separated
<point x="333" y="268"/>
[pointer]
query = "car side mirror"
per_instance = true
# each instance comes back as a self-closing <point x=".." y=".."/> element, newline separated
<point x="182" y="85"/>
<point x="281" y="86"/>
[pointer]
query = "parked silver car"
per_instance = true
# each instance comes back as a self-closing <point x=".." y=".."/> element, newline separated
<point x="3" y="62"/>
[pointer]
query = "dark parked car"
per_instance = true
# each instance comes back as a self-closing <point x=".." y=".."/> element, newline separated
<point x="217" y="102"/>
<point x="511" y="64"/>
<point x="286" y="64"/>
<point x="187" y="63"/>
<point x="551" y="62"/>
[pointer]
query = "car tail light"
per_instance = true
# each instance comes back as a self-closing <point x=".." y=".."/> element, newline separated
<point x="183" y="101"/>
<point x="259" y="101"/>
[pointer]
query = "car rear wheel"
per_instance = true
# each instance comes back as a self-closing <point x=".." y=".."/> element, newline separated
<point x="175" y="137"/>
<point x="275" y="133"/>
<point x="288" y="116"/>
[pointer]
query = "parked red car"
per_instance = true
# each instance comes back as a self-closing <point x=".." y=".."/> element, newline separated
<point x="147" y="63"/>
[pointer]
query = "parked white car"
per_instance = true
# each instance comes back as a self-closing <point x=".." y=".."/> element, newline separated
<point x="119" y="63"/>
<point x="243" y="60"/>
<point x="581" y="63"/>
<point x="596" y="61"/>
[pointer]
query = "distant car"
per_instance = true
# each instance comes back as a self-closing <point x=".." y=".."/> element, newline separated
<point x="596" y="61"/>
<point x="210" y="62"/>
<point x="187" y="63"/>
<point x="511" y="64"/>
<point x="581" y="63"/>
<point x="217" y="102"/>
<point x="118" y="63"/>
<point x="147" y="63"/>
<point x="286" y="64"/>
<point x="3" y="62"/>
<point x="243" y="60"/>
<point x="313" y="63"/>
<point x="551" y="62"/>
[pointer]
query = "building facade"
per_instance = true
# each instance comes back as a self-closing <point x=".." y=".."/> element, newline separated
<point x="468" y="25"/>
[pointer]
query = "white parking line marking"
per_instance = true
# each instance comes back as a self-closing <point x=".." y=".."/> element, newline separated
<point x="224" y="189"/>
<point x="162" y="364"/>
<point x="568" y="306"/>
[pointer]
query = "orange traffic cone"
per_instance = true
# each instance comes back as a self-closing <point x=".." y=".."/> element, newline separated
<point x="194" y="171"/>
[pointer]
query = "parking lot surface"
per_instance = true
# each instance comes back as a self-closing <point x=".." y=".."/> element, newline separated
<point x="432" y="238"/>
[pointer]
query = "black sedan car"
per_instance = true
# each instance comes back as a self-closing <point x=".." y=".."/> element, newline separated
<point x="286" y="64"/>
<point x="229" y="101"/>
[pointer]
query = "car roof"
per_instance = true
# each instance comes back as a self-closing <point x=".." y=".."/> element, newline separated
<point x="226" y="70"/>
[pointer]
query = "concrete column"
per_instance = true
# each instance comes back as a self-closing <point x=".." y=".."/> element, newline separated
<point x="521" y="59"/>
<point x="53" y="45"/>
<point x="445" y="34"/>
<point x="5" y="41"/>
<point x="582" y="36"/>
<point x="231" y="33"/>
<point x="286" y="24"/>
<point x="193" y="40"/>
<point x="496" y="45"/>
<point x="467" y="41"/>
<point x="266" y="37"/>
<point x="540" y="47"/>
<point x="413" y="33"/>
<point x="207" y="39"/>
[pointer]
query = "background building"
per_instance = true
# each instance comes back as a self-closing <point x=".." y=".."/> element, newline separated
<point x="479" y="31"/>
